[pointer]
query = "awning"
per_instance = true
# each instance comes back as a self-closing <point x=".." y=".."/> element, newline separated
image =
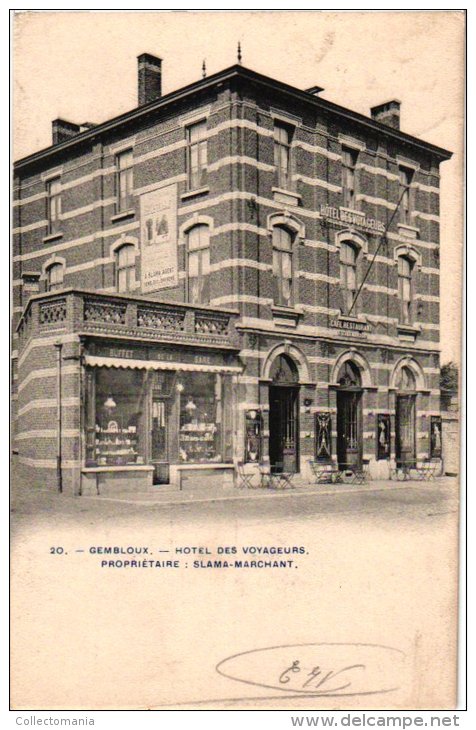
<point x="117" y="362"/>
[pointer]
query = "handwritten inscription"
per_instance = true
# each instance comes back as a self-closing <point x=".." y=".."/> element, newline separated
<point x="319" y="669"/>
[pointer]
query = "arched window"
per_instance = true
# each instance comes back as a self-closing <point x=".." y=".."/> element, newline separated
<point x="349" y="375"/>
<point x="405" y="270"/>
<point x="282" y="266"/>
<point x="125" y="268"/>
<point x="54" y="277"/>
<point x="198" y="265"/>
<point x="406" y="380"/>
<point x="348" y="275"/>
<point x="284" y="370"/>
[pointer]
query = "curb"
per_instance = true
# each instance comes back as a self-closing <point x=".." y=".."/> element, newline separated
<point x="239" y="497"/>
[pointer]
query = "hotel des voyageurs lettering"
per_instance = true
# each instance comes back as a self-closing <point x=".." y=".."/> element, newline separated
<point x="237" y="272"/>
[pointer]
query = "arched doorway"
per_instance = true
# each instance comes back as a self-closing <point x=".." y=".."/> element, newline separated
<point x="284" y="415"/>
<point x="405" y="431"/>
<point x="349" y="416"/>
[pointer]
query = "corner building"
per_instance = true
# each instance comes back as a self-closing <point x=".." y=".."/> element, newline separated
<point x="185" y="289"/>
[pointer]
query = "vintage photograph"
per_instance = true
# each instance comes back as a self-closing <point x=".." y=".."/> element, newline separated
<point x="236" y="286"/>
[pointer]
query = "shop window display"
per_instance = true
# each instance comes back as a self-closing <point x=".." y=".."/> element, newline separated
<point x="115" y="417"/>
<point x="200" y="418"/>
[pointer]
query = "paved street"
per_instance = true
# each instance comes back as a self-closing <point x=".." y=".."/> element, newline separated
<point x="377" y="500"/>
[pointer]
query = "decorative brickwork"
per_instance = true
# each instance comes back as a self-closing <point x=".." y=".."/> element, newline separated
<point x="103" y="312"/>
<point x="53" y="312"/>
<point x="169" y="320"/>
<point x="210" y="324"/>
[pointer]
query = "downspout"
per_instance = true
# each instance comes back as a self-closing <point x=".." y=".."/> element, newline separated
<point x="59" y="476"/>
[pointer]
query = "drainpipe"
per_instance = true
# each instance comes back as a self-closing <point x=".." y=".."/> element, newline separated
<point x="59" y="476"/>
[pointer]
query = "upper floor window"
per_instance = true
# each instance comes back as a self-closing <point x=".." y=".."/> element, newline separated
<point x="124" y="181"/>
<point x="54" y="277"/>
<point x="405" y="175"/>
<point x="125" y="268"/>
<point x="282" y="266"/>
<point x="349" y="162"/>
<point x="198" y="265"/>
<point x="282" y="153"/>
<point x="405" y="267"/>
<point x="53" y="190"/>
<point x="348" y="275"/>
<point x="196" y="155"/>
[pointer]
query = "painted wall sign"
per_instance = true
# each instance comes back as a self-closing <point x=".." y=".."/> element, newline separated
<point x="158" y="215"/>
<point x="350" y="325"/>
<point x="351" y="217"/>
<point x="177" y="355"/>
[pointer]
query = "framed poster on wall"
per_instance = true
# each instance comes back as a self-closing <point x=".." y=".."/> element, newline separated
<point x="253" y="431"/>
<point x="323" y="437"/>
<point x="435" y="437"/>
<point x="383" y="436"/>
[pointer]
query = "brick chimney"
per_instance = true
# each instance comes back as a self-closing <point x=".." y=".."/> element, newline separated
<point x="63" y="130"/>
<point x="314" y="90"/>
<point x="388" y="113"/>
<point x="149" y="78"/>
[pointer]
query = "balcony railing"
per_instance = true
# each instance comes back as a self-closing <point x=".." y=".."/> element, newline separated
<point x="89" y="313"/>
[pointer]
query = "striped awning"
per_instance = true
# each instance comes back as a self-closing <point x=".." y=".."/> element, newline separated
<point x="118" y="362"/>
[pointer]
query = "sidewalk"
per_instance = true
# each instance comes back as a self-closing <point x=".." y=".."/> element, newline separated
<point x="166" y="495"/>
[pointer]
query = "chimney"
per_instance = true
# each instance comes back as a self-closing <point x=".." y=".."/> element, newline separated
<point x="149" y="78"/>
<point x="388" y="113"/>
<point x="314" y="90"/>
<point x="63" y="130"/>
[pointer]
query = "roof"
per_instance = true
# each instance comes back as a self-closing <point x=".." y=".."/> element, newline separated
<point x="236" y="71"/>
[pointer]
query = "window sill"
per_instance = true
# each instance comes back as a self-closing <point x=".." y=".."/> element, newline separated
<point x="408" y="231"/>
<point x="52" y="237"/>
<point x="123" y="215"/>
<point x="408" y="331"/>
<point x="286" y="316"/>
<point x="289" y="197"/>
<point x="194" y="193"/>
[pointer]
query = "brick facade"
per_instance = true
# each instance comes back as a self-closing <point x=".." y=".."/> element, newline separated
<point x="241" y="202"/>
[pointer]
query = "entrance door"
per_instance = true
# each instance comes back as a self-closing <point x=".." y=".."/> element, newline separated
<point x="349" y="416"/>
<point x="349" y="430"/>
<point x="160" y="441"/>
<point x="405" y="429"/>
<point x="283" y="428"/>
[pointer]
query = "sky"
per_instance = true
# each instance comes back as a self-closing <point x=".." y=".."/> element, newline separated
<point x="82" y="66"/>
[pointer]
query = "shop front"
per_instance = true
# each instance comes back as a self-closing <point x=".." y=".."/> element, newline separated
<point x="155" y="416"/>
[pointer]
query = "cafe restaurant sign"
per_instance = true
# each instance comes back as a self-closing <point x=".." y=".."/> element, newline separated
<point x="351" y="217"/>
<point x="350" y="325"/>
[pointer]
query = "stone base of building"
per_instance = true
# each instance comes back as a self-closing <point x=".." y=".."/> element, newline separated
<point x="198" y="475"/>
<point x="110" y="481"/>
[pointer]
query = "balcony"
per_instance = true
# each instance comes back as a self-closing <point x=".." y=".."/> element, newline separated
<point x="128" y="317"/>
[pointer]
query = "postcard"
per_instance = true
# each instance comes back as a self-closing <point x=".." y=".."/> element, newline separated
<point x="236" y="329"/>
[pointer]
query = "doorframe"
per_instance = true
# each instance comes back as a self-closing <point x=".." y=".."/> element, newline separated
<point x="343" y="391"/>
<point x="167" y="412"/>
<point x="413" y="396"/>
<point x="288" y="387"/>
